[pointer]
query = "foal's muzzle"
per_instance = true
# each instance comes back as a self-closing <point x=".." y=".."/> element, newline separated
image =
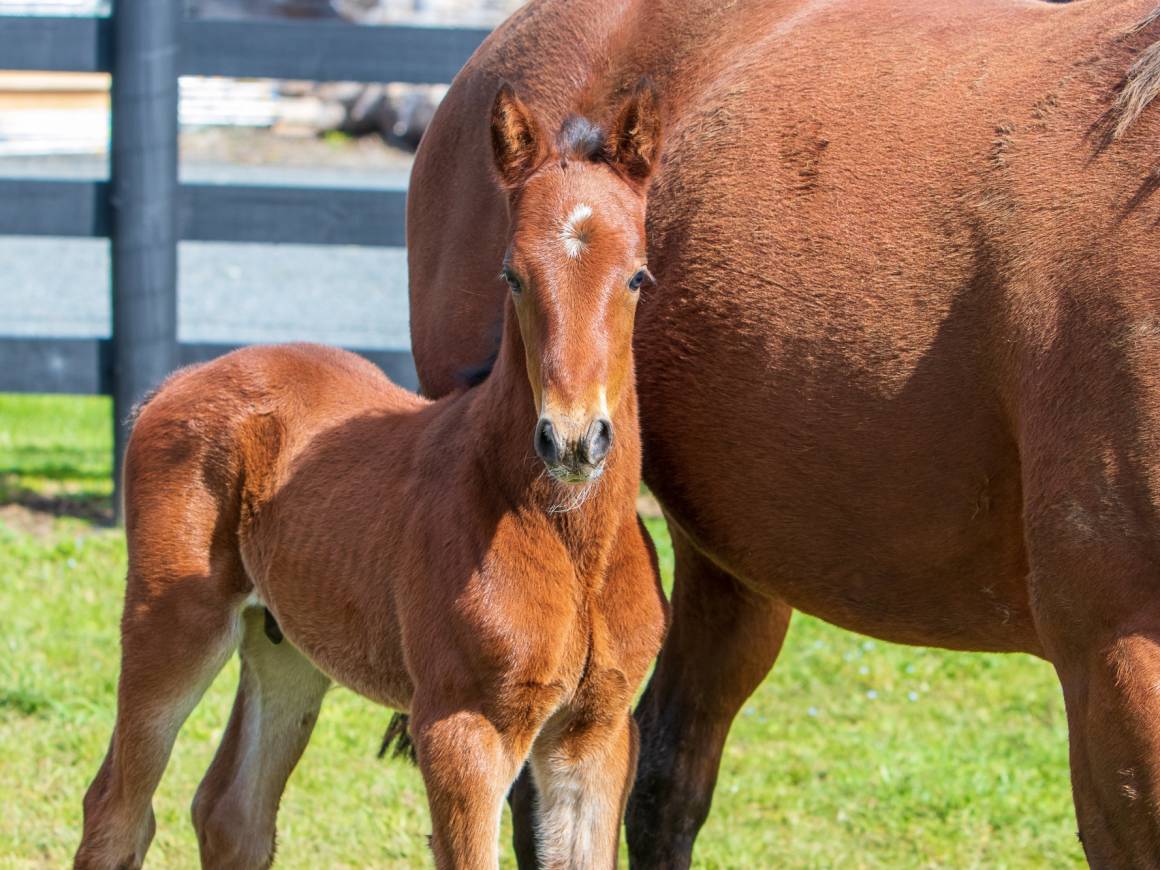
<point x="577" y="459"/>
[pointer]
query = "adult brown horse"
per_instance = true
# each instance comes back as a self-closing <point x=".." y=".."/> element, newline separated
<point x="417" y="552"/>
<point x="901" y="368"/>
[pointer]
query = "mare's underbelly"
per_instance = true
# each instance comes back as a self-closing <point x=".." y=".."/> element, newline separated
<point x="872" y="481"/>
<point x="924" y="567"/>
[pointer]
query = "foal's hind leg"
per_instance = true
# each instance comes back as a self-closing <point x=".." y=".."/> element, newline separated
<point x="177" y="632"/>
<point x="279" y="696"/>
<point x="722" y="642"/>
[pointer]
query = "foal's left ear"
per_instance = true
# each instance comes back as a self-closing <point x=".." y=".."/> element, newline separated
<point x="634" y="142"/>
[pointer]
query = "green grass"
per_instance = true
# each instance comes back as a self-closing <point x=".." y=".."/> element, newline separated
<point x="854" y="753"/>
<point x="55" y="454"/>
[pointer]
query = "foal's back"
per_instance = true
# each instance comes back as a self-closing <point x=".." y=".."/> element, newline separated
<point x="251" y="411"/>
<point x="303" y="388"/>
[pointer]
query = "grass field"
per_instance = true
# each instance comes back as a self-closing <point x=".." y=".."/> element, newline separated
<point x="854" y="753"/>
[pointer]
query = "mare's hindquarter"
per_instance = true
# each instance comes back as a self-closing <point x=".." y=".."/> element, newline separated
<point x="866" y="249"/>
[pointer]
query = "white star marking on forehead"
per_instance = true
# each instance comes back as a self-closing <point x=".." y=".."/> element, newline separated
<point x="574" y="234"/>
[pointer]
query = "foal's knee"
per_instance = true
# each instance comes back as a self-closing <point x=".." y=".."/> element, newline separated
<point x="115" y="835"/>
<point x="225" y="838"/>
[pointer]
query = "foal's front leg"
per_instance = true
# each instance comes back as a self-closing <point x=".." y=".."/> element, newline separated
<point x="468" y="767"/>
<point x="583" y="770"/>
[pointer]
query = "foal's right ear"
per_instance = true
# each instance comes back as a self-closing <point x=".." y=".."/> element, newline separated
<point x="516" y="139"/>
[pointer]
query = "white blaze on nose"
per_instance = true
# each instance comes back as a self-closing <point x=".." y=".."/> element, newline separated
<point x="574" y="233"/>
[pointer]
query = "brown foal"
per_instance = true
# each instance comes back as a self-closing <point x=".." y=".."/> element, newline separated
<point x="416" y="552"/>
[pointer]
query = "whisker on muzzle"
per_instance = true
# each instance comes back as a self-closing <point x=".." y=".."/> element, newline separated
<point x="574" y="496"/>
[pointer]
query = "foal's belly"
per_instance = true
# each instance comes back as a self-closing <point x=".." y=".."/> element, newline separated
<point x="334" y="605"/>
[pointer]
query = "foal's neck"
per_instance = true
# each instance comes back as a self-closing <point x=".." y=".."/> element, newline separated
<point x="503" y="418"/>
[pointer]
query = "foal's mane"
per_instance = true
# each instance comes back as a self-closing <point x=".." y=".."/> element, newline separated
<point x="582" y="140"/>
<point x="1140" y="86"/>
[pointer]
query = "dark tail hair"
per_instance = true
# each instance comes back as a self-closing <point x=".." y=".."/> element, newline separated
<point x="397" y="739"/>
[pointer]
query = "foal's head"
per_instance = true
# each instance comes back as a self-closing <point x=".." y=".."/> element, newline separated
<point x="575" y="264"/>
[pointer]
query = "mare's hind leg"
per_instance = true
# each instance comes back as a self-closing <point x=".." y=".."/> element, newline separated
<point x="1095" y="579"/>
<point x="1089" y="429"/>
<point x="279" y="696"/>
<point x="722" y="642"/>
<point x="177" y="632"/>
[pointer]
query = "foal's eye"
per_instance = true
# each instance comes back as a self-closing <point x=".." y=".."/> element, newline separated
<point x="637" y="280"/>
<point x="512" y="281"/>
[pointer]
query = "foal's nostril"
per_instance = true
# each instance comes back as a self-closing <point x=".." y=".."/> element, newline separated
<point x="547" y="446"/>
<point x="599" y="441"/>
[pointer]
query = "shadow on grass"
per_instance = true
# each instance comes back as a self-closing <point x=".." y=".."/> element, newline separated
<point x="23" y="702"/>
<point x="56" y="463"/>
<point x="86" y="504"/>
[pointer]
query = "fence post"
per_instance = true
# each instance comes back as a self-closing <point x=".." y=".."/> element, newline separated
<point x="143" y="181"/>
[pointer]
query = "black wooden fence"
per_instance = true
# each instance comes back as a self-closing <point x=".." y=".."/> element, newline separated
<point x="145" y="212"/>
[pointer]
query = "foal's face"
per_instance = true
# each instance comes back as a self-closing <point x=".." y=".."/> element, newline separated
<point x="575" y="266"/>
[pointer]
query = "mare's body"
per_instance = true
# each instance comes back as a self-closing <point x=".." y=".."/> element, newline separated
<point x="901" y="368"/>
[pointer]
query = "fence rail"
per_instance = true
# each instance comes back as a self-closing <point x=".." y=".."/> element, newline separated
<point x="145" y="45"/>
<point x="56" y="44"/>
<point x="307" y="50"/>
<point x="84" y="366"/>
<point x="214" y="212"/>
